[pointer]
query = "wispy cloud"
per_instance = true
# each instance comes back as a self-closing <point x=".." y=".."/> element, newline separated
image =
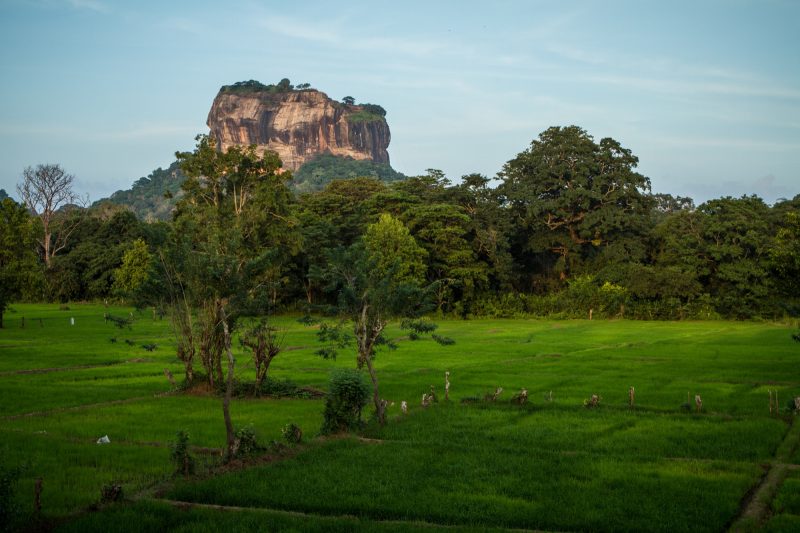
<point x="333" y="32"/>
<point x="91" y="5"/>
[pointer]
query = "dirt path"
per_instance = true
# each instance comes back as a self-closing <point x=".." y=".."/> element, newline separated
<point x="755" y="507"/>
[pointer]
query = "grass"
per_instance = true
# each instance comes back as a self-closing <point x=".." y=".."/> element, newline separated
<point x="552" y="465"/>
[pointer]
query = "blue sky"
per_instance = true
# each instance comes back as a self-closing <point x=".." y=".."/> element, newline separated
<point x="706" y="93"/>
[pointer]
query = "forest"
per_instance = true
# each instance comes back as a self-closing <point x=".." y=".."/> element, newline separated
<point x="567" y="229"/>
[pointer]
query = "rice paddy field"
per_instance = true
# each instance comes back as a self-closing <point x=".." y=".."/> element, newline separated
<point x="69" y="377"/>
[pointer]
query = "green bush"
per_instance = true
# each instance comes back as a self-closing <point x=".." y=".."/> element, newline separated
<point x="348" y="393"/>
<point x="246" y="442"/>
<point x="292" y="433"/>
<point x="180" y="456"/>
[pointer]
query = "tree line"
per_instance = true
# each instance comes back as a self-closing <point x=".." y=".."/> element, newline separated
<point x="570" y="229"/>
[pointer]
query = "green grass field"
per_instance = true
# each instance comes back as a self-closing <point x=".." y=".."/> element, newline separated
<point x="546" y="465"/>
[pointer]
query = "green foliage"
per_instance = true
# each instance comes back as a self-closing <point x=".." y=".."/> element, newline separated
<point x="19" y="267"/>
<point x="574" y="196"/>
<point x="153" y="197"/>
<point x="253" y="86"/>
<point x="136" y="267"/>
<point x="393" y="253"/>
<point x="292" y="433"/>
<point x="323" y="169"/>
<point x="362" y="116"/>
<point x="374" y="109"/>
<point x="348" y="393"/>
<point x="246" y="442"/>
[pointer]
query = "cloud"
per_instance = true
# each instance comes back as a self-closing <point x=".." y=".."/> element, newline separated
<point x="92" y="5"/>
<point x="332" y="32"/>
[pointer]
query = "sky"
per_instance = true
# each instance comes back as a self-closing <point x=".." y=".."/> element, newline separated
<point x="705" y="92"/>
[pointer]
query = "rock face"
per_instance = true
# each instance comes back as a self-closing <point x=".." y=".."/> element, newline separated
<point x="299" y="125"/>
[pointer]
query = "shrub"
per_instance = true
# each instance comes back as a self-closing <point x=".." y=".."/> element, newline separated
<point x="246" y="442"/>
<point x="292" y="433"/>
<point x="179" y="454"/>
<point x="347" y="395"/>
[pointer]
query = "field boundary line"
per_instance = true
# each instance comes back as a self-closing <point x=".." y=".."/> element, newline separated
<point x="68" y="368"/>
<point x="301" y="514"/>
<point x="88" y="406"/>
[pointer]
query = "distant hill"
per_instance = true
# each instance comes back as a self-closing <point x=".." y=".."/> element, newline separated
<point x="319" y="139"/>
<point x="151" y="197"/>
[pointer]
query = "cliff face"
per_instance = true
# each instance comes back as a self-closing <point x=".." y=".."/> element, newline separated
<point x="298" y="125"/>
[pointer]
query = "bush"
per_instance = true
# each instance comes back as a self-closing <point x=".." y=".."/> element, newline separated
<point x="292" y="433"/>
<point x="347" y="395"/>
<point x="246" y="442"/>
<point x="179" y="454"/>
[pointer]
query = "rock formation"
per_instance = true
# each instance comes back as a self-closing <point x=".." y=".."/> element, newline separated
<point x="298" y="125"/>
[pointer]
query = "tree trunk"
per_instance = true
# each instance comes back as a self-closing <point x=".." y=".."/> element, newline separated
<point x="226" y="402"/>
<point x="379" y="410"/>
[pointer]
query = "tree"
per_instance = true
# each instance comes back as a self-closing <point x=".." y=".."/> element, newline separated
<point x="135" y="268"/>
<point x="232" y="227"/>
<point x="18" y="263"/>
<point x="348" y="100"/>
<point x="573" y="196"/>
<point x="725" y="245"/>
<point x="47" y="192"/>
<point x="376" y="279"/>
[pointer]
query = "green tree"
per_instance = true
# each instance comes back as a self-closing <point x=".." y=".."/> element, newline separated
<point x="785" y="254"/>
<point x="349" y="100"/>
<point x="573" y="196"/>
<point x="375" y="280"/>
<point x="233" y="228"/>
<point x="135" y="269"/>
<point x="725" y="243"/>
<point x="18" y="262"/>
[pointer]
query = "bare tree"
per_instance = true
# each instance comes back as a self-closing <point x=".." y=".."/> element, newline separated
<point x="47" y="191"/>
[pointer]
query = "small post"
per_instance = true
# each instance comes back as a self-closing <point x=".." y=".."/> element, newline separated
<point x="698" y="402"/>
<point x="447" y="386"/>
<point x="72" y="321"/>
<point x="590" y="313"/>
<point x="631" y="397"/>
<point x="404" y="407"/>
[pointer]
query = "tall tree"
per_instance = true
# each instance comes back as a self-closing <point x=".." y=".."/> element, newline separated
<point x="375" y="280"/>
<point x="233" y="226"/>
<point x="573" y="196"/>
<point x="18" y="264"/>
<point x="47" y="191"/>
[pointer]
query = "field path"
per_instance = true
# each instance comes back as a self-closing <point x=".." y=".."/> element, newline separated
<point x="755" y="509"/>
